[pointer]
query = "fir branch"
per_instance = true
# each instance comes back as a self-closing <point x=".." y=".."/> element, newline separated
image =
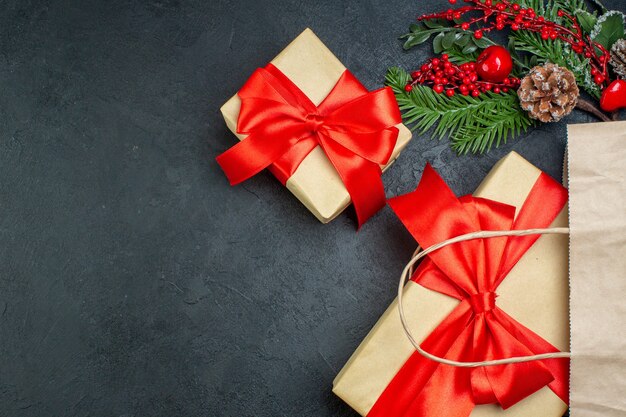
<point x="492" y="128"/>
<point x="571" y="6"/>
<point x="556" y="52"/>
<point x="473" y="124"/>
<point x="560" y="54"/>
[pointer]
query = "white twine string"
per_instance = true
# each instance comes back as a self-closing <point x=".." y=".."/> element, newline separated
<point x="470" y="236"/>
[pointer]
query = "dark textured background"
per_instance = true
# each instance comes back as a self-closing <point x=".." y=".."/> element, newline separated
<point x="134" y="281"/>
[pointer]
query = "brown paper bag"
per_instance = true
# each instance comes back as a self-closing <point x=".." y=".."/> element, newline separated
<point x="315" y="70"/>
<point x="597" y="184"/>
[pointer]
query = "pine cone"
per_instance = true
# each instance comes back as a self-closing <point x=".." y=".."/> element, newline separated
<point x="548" y="92"/>
<point x="618" y="58"/>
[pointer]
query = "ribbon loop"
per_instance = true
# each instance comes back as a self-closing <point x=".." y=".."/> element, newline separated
<point x="355" y="128"/>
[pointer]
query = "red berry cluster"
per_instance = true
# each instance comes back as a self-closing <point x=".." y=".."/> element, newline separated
<point x="505" y="13"/>
<point x="445" y="76"/>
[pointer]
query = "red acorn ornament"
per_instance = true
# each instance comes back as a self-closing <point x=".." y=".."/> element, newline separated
<point x="494" y="64"/>
<point x="614" y="96"/>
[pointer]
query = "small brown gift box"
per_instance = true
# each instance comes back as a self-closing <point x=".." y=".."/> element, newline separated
<point x="535" y="293"/>
<point x="315" y="70"/>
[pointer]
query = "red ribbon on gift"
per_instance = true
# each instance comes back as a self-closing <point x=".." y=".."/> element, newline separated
<point x="354" y="127"/>
<point x="477" y="329"/>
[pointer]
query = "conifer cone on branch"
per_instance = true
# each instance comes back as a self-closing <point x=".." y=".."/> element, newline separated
<point x="548" y="93"/>
<point x="618" y="58"/>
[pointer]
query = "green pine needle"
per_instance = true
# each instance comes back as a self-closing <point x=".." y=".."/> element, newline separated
<point x="473" y="124"/>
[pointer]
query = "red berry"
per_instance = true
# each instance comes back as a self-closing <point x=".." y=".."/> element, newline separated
<point x="587" y="54"/>
<point x="457" y="15"/>
<point x="594" y="71"/>
<point x="501" y="7"/>
<point x="444" y="81"/>
<point x="545" y="36"/>
<point x="488" y="3"/>
<point x="437" y="80"/>
<point x="500" y="26"/>
<point x="488" y="86"/>
<point x="496" y="90"/>
<point x="465" y="26"/>
<point x="435" y="62"/>
<point x="471" y="65"/>
<point x="515" y="26"/>
<point x="560" y="13"/>
<point x="463" y="88"/>
<point x="473" y="77"/>
<point x="452" y="1"/>
<point x="475" y="93"/>
<point x="439" y="74"/>
<point x="415" y="74"/>
<point x="438" y="88"/>
<point x="450" y="71"/>
<point x="516" y="7"/>
<point x="425" y="68"/>
<point x="505" y="89"/>
<point x="478" y="34"/>
<point x="408" y="87"/>
<point x="445" y="56"/>
<point x="472" y="86"/>
<point x="554" y="35"/>
<point x="599" y="79"/>
<point x="450" y="92"/>
<point x="466" y="80"/>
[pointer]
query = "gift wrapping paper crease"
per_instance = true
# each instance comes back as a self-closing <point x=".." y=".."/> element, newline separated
<point x="535" y="293"/>
<point x="309" y="64"/>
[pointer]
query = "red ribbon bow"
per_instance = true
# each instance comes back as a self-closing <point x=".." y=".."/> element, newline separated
<point x="477" y="329"/>
<point x="354" y="128"/>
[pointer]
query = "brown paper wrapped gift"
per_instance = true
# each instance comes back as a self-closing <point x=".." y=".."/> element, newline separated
<point x="535" y="293"/>
<point x="314" y="69"/>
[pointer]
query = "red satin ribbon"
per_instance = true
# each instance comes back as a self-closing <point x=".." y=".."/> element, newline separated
<point x="354" y="127"/>
<point x="477" y="329"/>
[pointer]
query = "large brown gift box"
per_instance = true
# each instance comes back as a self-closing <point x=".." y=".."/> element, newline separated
<point x="315" y="70"/>
<point x="535" y="293"/>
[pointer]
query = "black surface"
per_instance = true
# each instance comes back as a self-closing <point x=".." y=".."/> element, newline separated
<point x="134" y="281"/>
